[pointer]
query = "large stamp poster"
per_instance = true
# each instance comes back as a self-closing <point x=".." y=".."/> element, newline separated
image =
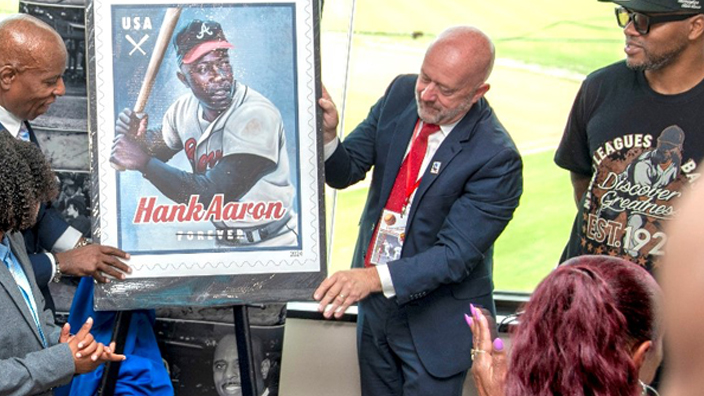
<point x="205" y="156"/>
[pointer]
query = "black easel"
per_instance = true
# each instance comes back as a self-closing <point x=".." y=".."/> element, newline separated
<point x="112" y="369"/>
<point x="244" y="350"/>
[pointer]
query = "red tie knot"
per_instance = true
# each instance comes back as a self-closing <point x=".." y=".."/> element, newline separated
<point x="427" y="130"/>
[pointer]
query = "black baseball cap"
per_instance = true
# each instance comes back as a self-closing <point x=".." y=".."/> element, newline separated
<point x="197" y="39"/>
<point x="690" y="6"/>
<point x="671" y="136"/>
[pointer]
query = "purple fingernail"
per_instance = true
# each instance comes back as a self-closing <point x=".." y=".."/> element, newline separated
<point x="498" y="344"/>
<point x="471" y="309"/>
<point x="468" y="319"/>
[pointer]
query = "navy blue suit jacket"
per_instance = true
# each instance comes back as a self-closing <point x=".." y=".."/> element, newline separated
<point x="455" y="217"/>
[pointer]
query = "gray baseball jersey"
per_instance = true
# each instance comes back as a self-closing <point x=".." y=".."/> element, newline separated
<point x="251" y="125"/>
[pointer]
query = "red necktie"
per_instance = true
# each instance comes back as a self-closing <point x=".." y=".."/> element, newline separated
<point x="406" y="180"/>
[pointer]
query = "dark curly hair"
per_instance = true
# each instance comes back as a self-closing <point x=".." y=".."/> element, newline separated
<point x="26" y="180"/>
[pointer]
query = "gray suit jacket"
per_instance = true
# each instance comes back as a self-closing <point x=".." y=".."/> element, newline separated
<point x="26" y="368"/>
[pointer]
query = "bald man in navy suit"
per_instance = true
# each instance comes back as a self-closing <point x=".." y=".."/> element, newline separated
<point x="419" y="262"/>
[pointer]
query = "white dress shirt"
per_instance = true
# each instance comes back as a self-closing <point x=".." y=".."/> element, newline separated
<point x="10" y="121"/>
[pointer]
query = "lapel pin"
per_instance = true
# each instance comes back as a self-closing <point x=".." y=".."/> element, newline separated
<point x="435" y="168"/>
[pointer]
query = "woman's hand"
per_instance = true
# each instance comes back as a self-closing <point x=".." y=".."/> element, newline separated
<point x="489" y="357"/>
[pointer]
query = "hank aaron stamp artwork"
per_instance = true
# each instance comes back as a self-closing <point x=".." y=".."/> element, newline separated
<point x="204" y="136"/>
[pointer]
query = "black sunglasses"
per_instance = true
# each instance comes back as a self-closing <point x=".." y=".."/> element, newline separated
<point x="642" y="22"/>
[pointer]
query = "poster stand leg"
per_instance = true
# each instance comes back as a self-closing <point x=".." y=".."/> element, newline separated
<point x="112" y="369"/>
<point x="244" y="350"/>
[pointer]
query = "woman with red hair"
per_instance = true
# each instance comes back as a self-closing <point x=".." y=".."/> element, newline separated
<point x="592" y="327"/>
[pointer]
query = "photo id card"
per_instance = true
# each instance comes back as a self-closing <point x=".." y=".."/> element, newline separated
<point x="389" y="238"/>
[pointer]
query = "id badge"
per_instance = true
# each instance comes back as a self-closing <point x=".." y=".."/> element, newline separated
<point x="389" y="238"/>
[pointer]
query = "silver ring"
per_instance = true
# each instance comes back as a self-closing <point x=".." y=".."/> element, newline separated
<point x="342" y="296"/>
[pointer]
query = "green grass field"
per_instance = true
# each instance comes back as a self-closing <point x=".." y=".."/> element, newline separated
<point x="543" y="52"/>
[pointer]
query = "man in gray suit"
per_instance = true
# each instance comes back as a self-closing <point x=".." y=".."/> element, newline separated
<point x="35" y="354"/>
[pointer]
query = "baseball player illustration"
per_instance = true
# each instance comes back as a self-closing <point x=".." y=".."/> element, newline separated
<point x="232" y="136"/>
<point x="653" y="170"/>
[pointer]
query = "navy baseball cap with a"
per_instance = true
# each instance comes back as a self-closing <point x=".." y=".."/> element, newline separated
<point x="197" y="39"/>
<point x="685" y="6"/>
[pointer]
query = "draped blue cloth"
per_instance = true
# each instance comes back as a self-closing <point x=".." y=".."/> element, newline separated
<point x="143" y="373"/>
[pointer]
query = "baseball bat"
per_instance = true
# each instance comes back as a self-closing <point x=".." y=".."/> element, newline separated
<point x="162" y="43"/>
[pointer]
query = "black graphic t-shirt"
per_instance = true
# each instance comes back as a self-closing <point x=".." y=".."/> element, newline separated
<point x="641" y="150"/>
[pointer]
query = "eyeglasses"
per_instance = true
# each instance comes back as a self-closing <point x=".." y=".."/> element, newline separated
<point x="642" y="22"/>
